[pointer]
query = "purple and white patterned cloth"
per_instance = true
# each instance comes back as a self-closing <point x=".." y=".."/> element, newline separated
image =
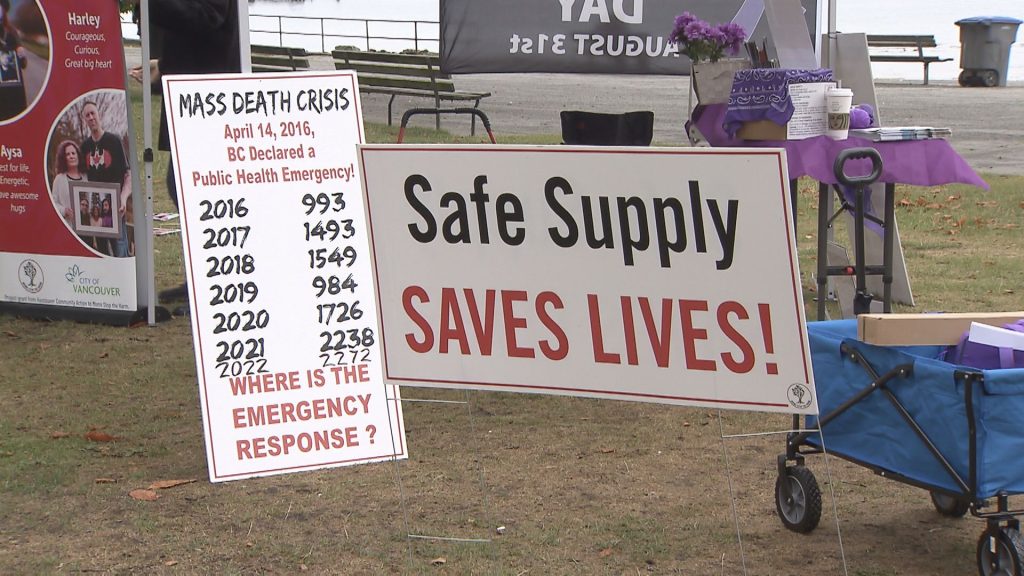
<point x="763" y="94"/>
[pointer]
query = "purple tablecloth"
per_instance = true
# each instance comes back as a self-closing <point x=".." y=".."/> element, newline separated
<point x="916" y="162"/>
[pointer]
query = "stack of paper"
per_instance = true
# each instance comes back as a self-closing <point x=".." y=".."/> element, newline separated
<point x="895" y="133"/>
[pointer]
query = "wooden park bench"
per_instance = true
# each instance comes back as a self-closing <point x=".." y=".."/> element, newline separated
<point x="278" y="58"/>
<point x="417" y="75"/>
<point x="918" y="43"/>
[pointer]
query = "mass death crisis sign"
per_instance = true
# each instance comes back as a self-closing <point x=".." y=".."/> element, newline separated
<point x="652" y="274"/>
<point x="283" y="313"/>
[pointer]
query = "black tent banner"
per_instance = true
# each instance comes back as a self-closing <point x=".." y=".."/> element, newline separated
<point x="583" y="36"/>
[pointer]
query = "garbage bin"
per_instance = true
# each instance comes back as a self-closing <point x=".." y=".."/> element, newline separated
<point x="985" y="49"/>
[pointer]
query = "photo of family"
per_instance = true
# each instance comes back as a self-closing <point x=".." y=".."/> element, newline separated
<point x="90" y="176"/>
<point x="24" y="56"/>
<point x="97" y="204"/>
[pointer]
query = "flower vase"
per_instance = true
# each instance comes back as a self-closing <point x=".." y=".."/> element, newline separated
<point x="712" y="81"/>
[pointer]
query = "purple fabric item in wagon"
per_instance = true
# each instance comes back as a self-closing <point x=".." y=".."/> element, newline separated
<point x="763" y="94"/>
<point x="977" y="355"/>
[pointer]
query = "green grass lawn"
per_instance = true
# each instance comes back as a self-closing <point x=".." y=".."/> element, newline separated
<point x="578" y="486"/>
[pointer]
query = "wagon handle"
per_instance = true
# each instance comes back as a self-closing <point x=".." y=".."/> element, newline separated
<point x="853" y="154"/>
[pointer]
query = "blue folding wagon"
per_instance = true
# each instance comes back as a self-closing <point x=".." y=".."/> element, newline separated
<point x="902" y="412"/>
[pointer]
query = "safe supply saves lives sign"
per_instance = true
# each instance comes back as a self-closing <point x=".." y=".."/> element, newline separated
<point x="651" y="274"/>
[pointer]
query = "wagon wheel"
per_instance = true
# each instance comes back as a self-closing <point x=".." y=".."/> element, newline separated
<point x="989" y="78"/>
<point x="798" y="499"/>
<point x="1000" y="552"/>
<point x="950" y="506"/>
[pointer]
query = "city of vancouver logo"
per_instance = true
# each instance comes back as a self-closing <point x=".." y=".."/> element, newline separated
<point x="73" y="273"/>
<point x="30" y="274"/>
<point x="81" y="283"/>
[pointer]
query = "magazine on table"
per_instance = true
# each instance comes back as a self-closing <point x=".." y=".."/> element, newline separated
<point x="896" y="133"/>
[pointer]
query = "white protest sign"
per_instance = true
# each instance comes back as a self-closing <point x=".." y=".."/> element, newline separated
<point x="651" y="274"/>
<point x="280" y="288"/>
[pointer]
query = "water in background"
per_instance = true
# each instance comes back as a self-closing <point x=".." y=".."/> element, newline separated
<point x="369" y="9"/>
<point x="935" y="17"/>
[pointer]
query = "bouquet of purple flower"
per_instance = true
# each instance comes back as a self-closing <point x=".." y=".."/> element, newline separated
<point x="701" y="42"/>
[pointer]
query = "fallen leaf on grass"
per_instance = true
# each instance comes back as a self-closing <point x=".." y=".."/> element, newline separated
<point x="441" y="561"/>
<point x="163" y="484"/>
<point x="99" y="436"/>
<point x="144" y="495"/>
<point x="170" y="563"/>
<point x="607" y="450"/>
<point x="59" y="434"/>
<point x="106" y="481"/>
<point x="13" y="335"/>
<point x="604" y="553"/>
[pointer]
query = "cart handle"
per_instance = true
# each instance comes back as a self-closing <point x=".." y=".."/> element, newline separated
<point x="853" y="154"/>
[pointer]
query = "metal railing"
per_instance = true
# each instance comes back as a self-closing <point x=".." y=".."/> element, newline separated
<point x="322" y="34"/>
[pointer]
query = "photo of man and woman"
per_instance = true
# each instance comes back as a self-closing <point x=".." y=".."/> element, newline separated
<point x="90" y="177"/>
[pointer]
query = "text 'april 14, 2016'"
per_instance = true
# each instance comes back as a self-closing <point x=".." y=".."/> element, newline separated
<point x="258" y="150"/>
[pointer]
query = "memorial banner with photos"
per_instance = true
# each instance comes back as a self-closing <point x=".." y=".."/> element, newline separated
<point x="66" y="178"/>
<point x="584" y="36"/>
<point x="283" y="318"/>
